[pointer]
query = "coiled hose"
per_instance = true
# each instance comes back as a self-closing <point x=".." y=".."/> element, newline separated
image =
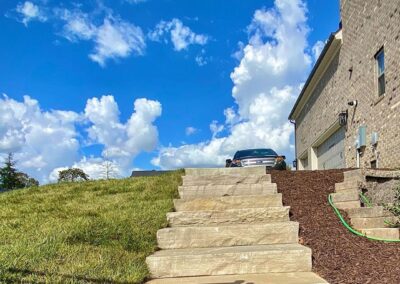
<point x="348" y="227"/>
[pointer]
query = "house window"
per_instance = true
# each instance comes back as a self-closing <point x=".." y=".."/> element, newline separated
<point x="380" y="63"/>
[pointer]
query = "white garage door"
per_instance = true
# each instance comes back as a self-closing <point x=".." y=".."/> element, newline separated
<point x="331" y="153"/>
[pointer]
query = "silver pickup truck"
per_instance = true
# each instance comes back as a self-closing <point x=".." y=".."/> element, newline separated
<point x="252" y="158"/>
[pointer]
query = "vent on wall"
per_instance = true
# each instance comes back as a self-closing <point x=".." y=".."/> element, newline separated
<point x="374" y="138"/>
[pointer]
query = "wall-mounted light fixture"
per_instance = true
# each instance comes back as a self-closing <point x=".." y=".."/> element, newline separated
<point x="353" y="103"/>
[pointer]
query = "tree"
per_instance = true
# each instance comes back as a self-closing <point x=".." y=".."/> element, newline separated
<point x="26" y="180"/>
<point x="9" y="174"/>
<point x="72" y="174"/>
<point x="108" y="168"/>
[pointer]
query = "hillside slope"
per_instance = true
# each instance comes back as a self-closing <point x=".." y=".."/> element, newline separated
<point x="96" y="231"/>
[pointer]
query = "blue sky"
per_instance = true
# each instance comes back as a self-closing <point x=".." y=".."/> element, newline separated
<point x="207" y="77"/>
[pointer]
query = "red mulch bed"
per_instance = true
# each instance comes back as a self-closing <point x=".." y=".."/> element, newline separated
<point x="338" y="255"/>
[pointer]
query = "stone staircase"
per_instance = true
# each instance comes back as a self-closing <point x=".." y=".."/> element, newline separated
<point x="368" y="220"/>
<point x="230" y="227"/>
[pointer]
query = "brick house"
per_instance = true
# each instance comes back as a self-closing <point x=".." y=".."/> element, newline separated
<point x="348" y="112"/>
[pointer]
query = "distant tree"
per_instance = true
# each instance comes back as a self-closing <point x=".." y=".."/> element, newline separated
<point x="108" y="168"/>
<point x="9" y="174"/>
<point x="72" y="174"/>
<point x="26" y="180"/>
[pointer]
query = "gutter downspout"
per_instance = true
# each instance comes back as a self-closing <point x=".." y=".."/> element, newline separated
<point x="292" y="121"/>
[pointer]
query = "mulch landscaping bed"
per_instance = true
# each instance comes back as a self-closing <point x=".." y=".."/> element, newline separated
<point x="338" y="255"/>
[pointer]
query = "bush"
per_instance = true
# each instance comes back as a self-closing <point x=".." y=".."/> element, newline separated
<point x="394" y="208"/>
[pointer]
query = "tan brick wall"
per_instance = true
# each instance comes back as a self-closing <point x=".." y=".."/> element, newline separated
<point x="367" y="26"/>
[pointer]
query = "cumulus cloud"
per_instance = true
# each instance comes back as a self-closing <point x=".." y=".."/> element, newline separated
<point x="41" y="140"/>
<point x="266" y="83"/>
<point x="122" y="142"/>
<point x="180" y="35"/>
<point x="113" y="38"/>
<point x="29" y="12"/>
<point x="317" y="49"/>
<point x="46" y="141"/>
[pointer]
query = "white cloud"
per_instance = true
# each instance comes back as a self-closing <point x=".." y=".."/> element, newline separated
<point x="44" y="141"/>
<point x="112" y="39"/>
<point x="190" y="130"/>
<point x="122" y="142"/>
<point x="317" y="49"/>
<point x="41" y="140"/>
<point x="181" y="36"/>
<point x="117" y="39"/>
<point x="266" y="82"/>
<point x="29" y="12"/>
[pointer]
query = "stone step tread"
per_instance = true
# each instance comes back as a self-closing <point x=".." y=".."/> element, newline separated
<point x="230" y="216"/>
<point x="230" y="260"/>
<point x="267" y="278"/>
<point x="222" y="187"/>
<point x="345" y="205"/>
<point x="225" y="179"/>
<point x="345" y="196"/>
<point x="368" y="212"/>
<point x="229" y="202"/>
<point x="224" y="171"/>
<point x="228" y="235"/>
<point x="383" y="233"/>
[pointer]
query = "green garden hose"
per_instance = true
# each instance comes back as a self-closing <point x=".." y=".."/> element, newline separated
<point x="351" y="229"/>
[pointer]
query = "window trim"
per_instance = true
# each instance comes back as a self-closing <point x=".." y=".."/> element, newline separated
<point x="377" y="75"/>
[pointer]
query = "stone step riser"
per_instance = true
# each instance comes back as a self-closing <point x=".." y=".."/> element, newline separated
<point x="369" y="223"/>
<point x="224" y="236"/>
<point x="353" y="175"/>
<point x="346" y="186"/>
<point x="383" y="233"/>
<point x="366" y="212"/>
<point x="266" y="278"/>
<point x="225" y="171"/>
<point x="352" y="195"/>
<point x="236" y="260"/>
<point x="234" y="216"/>
<point x="348" y="205"/>
<point x="225" y="180"/>
<point x="229" y="202"/>
<point x="216" y="191"/>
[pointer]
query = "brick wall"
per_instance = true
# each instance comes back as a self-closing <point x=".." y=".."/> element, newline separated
<point x="367" y="26"/>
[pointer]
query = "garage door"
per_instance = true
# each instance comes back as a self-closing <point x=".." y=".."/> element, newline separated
<point x="331" y="153"/>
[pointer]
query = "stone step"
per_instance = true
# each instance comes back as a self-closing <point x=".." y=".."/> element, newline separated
<point x="229" y="202"/>
<point x="228" y="235"/>
<point x="226" y="171"/>
<point x="226" y="179"/>
<point x="368" y="212"/>
<point x="351" y="195"/>
<point x="369" y="223"/>
<point x="190" y="192"/>
<point x="354" y="175"/>
<point x="383" y="233"/>
<point x="347" y="185"/>
<point x="230" y="260"/>
<point x="267" y="278"/>
<point x="348" y="204"/>
<point x="231" y="216"/>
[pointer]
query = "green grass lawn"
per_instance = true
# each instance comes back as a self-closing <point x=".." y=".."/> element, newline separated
<point x="95" y="231"/>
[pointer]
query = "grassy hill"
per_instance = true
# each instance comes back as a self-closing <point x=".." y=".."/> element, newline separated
<point x="96" y="231"/>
